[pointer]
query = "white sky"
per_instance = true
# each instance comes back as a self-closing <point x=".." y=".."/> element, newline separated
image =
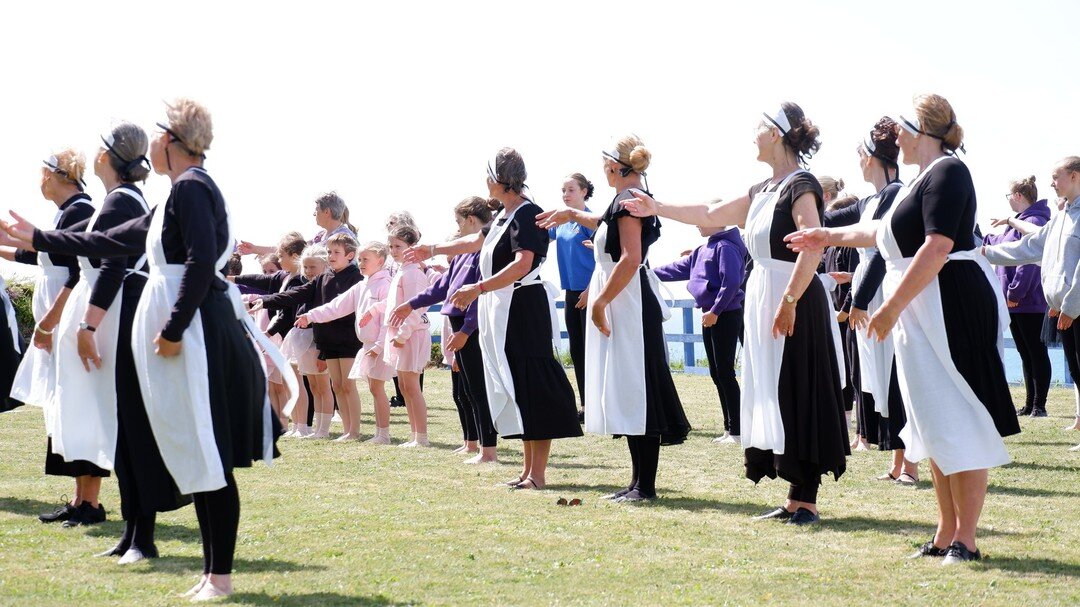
<point x="398" y="106"/>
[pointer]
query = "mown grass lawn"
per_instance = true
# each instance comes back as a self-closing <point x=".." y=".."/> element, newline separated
<point x="352" y="524"/>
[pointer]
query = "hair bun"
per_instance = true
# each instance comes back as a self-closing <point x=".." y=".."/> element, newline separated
<point x="640" y="157"/>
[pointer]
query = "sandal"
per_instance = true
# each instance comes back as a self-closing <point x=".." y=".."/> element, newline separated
<point x="887" y="477"/>
<point x="527" y="484"/>
<point x="907" y="480"/>
<point x="514" y="483"/>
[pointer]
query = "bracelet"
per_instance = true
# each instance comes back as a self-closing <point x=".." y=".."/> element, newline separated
<point x="432" y="251"/>
<point x="38" y="329"/>
<point x="481" y="285"/>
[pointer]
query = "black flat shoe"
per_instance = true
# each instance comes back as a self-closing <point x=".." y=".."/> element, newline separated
<point x="617" y="494"/>
<point x="62" y="513"/>
<point x="959" y="553"/>
<point x="634" y="496"/>
<point x="780" y="514"/>
<point x="928" y="549"/>
<point x="1022" y="411"/>
<point x="86" y="514"/>
<point x="802" y="517"/>
<point x="1038" y="413"/>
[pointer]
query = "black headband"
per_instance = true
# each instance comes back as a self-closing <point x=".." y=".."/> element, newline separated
<point x="174" y="138"/>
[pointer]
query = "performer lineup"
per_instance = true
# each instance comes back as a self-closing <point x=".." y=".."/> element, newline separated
<point x="155" y="358"/>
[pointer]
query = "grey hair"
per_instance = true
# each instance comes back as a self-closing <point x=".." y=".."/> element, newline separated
<point x="128" y="154"/>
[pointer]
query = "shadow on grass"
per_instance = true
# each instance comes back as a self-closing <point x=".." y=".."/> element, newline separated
<point x="1037" y="443"/>
<point x="187" y="564"/>
<point x="1047" y="467"/>
<point x="162" y="531"/>
<point x="315" y="598"/>
<point x="1028" y="492"/>
<point x="1026" y="565"/>
<point x="27" y="507"/>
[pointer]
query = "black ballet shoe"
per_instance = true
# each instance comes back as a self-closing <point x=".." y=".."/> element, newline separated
<point x="928" y="549"/>
<point x="1037" y="412"/>
<point x="1025" y="410"/>
<point x="959" y="553"/>
<point x="635" y="495"/>
<point x="62" y="513"/>
<point x="150" y="552"/>
<point x="781" y="514"/>
<point x="617" y="494"/>
<point x="803" y="517"/>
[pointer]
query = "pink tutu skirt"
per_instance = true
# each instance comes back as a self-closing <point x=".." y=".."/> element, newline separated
<point x="299" y="348"/>
<point x="413" y="356"/>
<point x="373" y="367"/>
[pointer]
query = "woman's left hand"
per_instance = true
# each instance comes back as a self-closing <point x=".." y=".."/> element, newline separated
<point x="841" y="278"/>
<point x="463" y="297"/>
<point x="810" y="239"/>
<point x="88" y="352"/>
<point x="166" y="348"/>
<point x="784" y="321"/>
<point x="599" y="317"/>
<point x="554" y="218"/>
<point x="882" y="323"/>
<point x="42" y="340"/>
<point x="1064" y="322"/>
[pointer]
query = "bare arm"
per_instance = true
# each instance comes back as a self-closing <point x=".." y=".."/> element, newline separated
<point x="550" y="219"/>
<point x="460" y="246"/>
<point x="715" y="213"/>
<point x="804" y="212"/>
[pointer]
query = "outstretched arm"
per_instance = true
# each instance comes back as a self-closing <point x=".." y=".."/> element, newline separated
<point x="715" y="213"/>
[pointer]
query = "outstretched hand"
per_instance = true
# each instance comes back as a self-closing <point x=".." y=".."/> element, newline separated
<point x="811" y="239"/>
<point x="418" y="253"/>
<point x="554" y="218"/>
<point x="19" y="229"/>
<point x="641" y="205"/>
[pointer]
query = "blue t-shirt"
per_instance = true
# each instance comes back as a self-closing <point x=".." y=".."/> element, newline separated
<point x="575" y="259"/>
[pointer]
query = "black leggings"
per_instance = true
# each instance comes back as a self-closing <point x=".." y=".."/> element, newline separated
<point x="575" y="332"/>
<point x="219" y="517"/>
<point x="471" y="362"/>
<point x="1026" y="329"/>
<point x="645" y="458"/>
<point x="721" y="340"/>
<point x="464" y="405"/>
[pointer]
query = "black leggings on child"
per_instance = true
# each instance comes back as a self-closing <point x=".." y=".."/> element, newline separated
<point x="219" y="517"/>
<point x="1026" y="329"/>
<point x="721" y="340"/>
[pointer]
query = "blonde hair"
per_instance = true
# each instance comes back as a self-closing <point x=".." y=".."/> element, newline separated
<point x="72" y="163"/>
<point x="633" y="153"/>
<point x="831" y="186"/>
<point x="316" y="252"/>
<point x="378" y="248"/>
<point x="937" y="119"/>
<point x="343" y="240"/>
<point x="1070" y="164"/>
<point x="190" y="121"/>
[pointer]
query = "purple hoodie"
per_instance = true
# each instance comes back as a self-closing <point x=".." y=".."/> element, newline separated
<point x="464" y="270"/>
<point x="1022" y="284"/>
<point x="714" y="272"/>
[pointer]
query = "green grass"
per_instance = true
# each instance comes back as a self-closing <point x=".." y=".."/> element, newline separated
<point x="334" y="524"/>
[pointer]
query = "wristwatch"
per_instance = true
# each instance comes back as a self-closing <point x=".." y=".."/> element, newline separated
<point x="789" y="298"/>
<point x="87" y="327"/>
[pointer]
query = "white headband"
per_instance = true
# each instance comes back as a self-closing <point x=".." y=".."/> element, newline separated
<point x="53" y="164"/>
<point x="910" y="125"/>
<point x="491" y="169"/>
<point x="779" y="120"/>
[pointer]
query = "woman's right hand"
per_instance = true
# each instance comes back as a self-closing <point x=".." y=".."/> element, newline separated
<point x="245" y="248"/>
<point x="641" y="205"/>
<point x="302" y="321"/>
<point x="20" y="229"/>
<point x="418" y="253"/>
<point x="554" y="218"/>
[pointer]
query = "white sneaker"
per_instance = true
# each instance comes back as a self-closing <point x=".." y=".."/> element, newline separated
<point x="720" y="439"/>
<point x="315" y="435"/>
<point x="1076" y="448"/>
<point x="133" y="555"/>
<point x="378" y="440"/>
<point x="734" y="439"/>
<point x="408" y="445"/>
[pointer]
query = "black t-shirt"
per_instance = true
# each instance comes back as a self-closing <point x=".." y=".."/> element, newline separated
<point x="943" y="202"/>
<point x="782" y="222"/>
<point x="650" y="227"/>
<point x="521" y="235"/>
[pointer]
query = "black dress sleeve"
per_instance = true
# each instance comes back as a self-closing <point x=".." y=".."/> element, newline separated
<point x="871" y="282"/>
<point x="945" y="200"/>
<point x="847" y="216"/>
<point x="128" y="238"/>
<point x="27" y="257"/>
<point x="113" y="269"/>
<point x="191" y="207"/>
<point x="299" y="295"/>
<point x="525" y="235"/>
<point x="800" y="184"/>
<point x="267" y="283"/>
<point x="76" y="213"/>
<point x="650" y="227"/>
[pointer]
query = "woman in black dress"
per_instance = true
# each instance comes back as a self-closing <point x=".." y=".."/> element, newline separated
<point x="792" y="418"/>
<point x="200" y="374"/>
<point x="628" y="382"/>
<point x="529" y="395"/>
<point x="942" y="299"/>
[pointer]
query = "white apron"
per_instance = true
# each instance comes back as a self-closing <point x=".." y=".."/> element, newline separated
<point x="35" y="380"/>
<point x="945" y="419"/>
<point x="86" y="421"/>
<point x="762" y="355"/>
<point x="176" y="390"/>
<point x="493" y="313"/>
<point x="615" y="365"/>
<point x="875" y="358"/>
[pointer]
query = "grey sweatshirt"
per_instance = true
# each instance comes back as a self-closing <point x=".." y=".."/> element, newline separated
<point x="1055" y="247"/>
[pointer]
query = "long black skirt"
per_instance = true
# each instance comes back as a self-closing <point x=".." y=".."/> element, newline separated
<point x="969" y="308"/>
<point x="145" y="484"/>
<point x="664" y="415"/>
<point x="544" y="396"/>
<point x="56" y="466"/>
<point x="9" y="362"/>
<point x="810" y="398"/>
<point x="237" y="385"/>
<point x="888" y="431"/>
